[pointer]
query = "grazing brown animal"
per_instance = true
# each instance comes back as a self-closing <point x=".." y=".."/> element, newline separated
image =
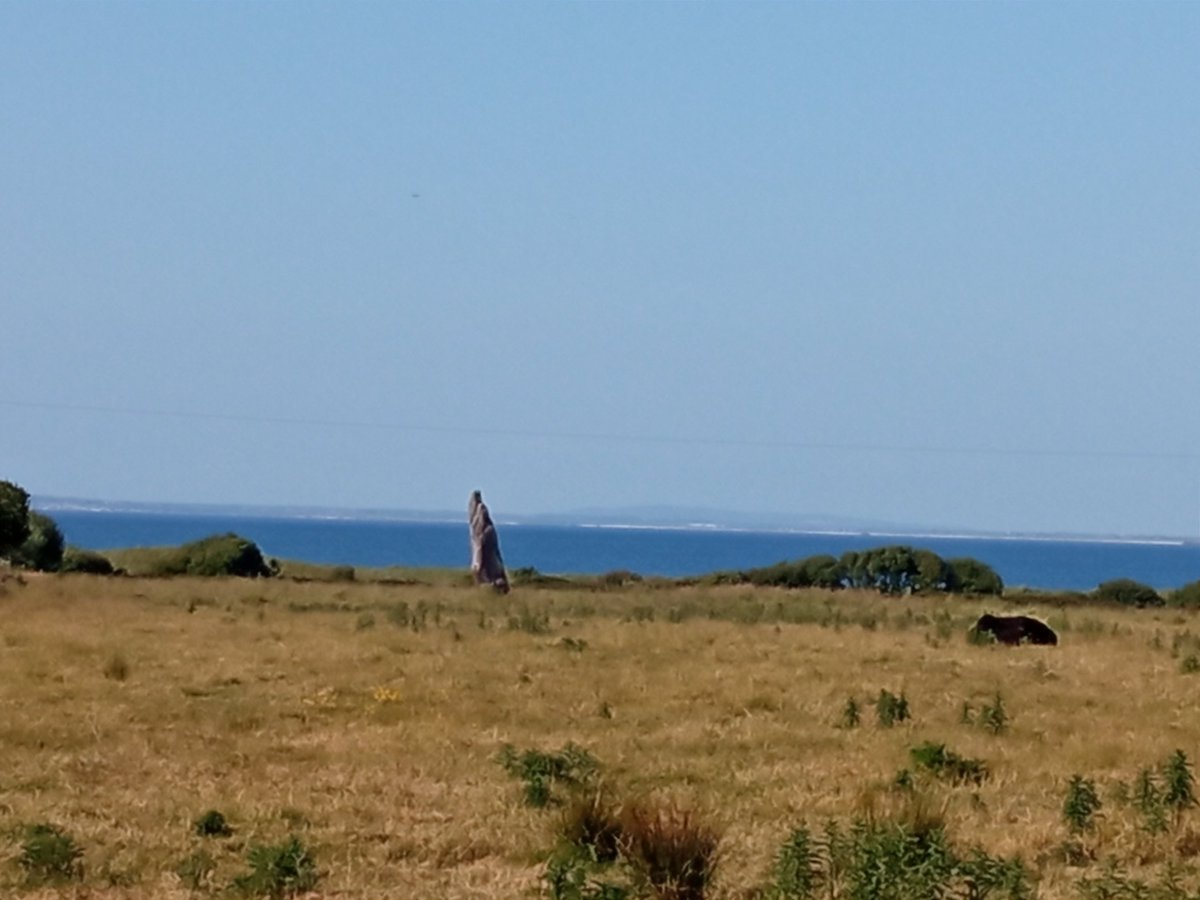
<point x="1016" y="629"/>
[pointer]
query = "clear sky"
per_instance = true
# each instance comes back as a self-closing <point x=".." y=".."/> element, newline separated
<point x="928" y="263"/>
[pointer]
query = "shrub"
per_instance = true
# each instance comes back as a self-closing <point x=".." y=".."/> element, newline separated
<point x="1187" y="596"/>
<point x="50" y="854"/>
<point x="528" y="576"/>
<point x="945" y="763"/>
<point x="1128" y="592"/>
<point x="670" y="850"/>
<point x="212" y="824"/>
<point x="221" y="554"/>
<point x="891" y="570"/>
<point x="782" y="574"/>
<point x="226" y="554"/>
<point x="619" y="578"/>
<point x="279" y="870"/>
<point x="540" y="771"/>
<point x="88" y="562"/>
<point x="339" y="573"/>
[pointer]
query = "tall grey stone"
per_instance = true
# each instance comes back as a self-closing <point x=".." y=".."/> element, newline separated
<point x="486" y="563"/>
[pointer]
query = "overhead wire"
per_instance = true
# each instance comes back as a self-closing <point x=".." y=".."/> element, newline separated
<point x="611" y="436"/>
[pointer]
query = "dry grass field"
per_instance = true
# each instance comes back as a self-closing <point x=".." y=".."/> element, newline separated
<point x="367" y="721"/>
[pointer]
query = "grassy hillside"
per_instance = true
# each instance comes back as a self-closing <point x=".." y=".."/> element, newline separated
<point x="367" y="720"/>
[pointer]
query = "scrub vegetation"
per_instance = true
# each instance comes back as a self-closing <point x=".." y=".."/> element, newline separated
<point x="402" y="733"/>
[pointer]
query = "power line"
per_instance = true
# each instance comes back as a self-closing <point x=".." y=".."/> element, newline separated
<point x="612" y="437"/>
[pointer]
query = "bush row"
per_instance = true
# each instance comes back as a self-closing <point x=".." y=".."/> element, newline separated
<point x="894" y="569"/>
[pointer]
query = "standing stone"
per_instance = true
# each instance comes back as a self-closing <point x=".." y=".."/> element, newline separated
<point x="486" y="563"/>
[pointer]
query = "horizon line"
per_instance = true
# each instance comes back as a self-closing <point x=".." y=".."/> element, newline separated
<point x="864" y="528"/>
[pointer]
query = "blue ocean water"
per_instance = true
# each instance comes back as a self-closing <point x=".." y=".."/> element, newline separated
<point x="1051" y="564"/>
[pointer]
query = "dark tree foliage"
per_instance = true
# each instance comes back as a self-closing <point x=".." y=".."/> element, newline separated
<point x="970" y="576"/>
<point x="14" y="517"/>
<point x="895" y="569"/>
<point x="43" y="548"/>
<point x="76" y="559"/>
<point x="220" y="554"/>
<point x="1187" y="596"/>
<point x="1128" y="592"/>
<point x="225" y="554"/>
<point x="822" y="571"/>
<point x="933" y="572"/>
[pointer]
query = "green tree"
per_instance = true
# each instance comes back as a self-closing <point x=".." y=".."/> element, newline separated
<point x="14" y="517"/>
<point x="970" y="576"/>
<point x="894" y="569"/>
<point x="823" y="571"/>
<point x="933" y="572"/>
<point x="43" y="548"/>
<point x="854" y="568"/>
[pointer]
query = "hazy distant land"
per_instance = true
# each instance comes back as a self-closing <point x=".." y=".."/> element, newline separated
<point x="674" y="517"/>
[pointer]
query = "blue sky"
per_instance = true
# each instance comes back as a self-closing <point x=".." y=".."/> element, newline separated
<point x="925" y="263"/>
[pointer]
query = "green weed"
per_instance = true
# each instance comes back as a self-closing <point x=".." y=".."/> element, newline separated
<point x="279" y="870"/>
<point x="800" y="868"/>
<point x="890" y="709"/>
<point x="540" y="771"/>
<point x="993" y="716"/>
<point x="1081" y="804"/>
<point x="889" y="860"/>
<point x="49" y="854"/>
<point x="851" y="714"/>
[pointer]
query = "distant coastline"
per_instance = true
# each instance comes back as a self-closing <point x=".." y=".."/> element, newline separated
<point x="631" y="519"/>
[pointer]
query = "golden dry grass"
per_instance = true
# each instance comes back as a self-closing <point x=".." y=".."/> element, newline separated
<point x="129" y="707"/>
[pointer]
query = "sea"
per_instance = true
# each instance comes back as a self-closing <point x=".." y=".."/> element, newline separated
<point x="1040" y="562"/>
